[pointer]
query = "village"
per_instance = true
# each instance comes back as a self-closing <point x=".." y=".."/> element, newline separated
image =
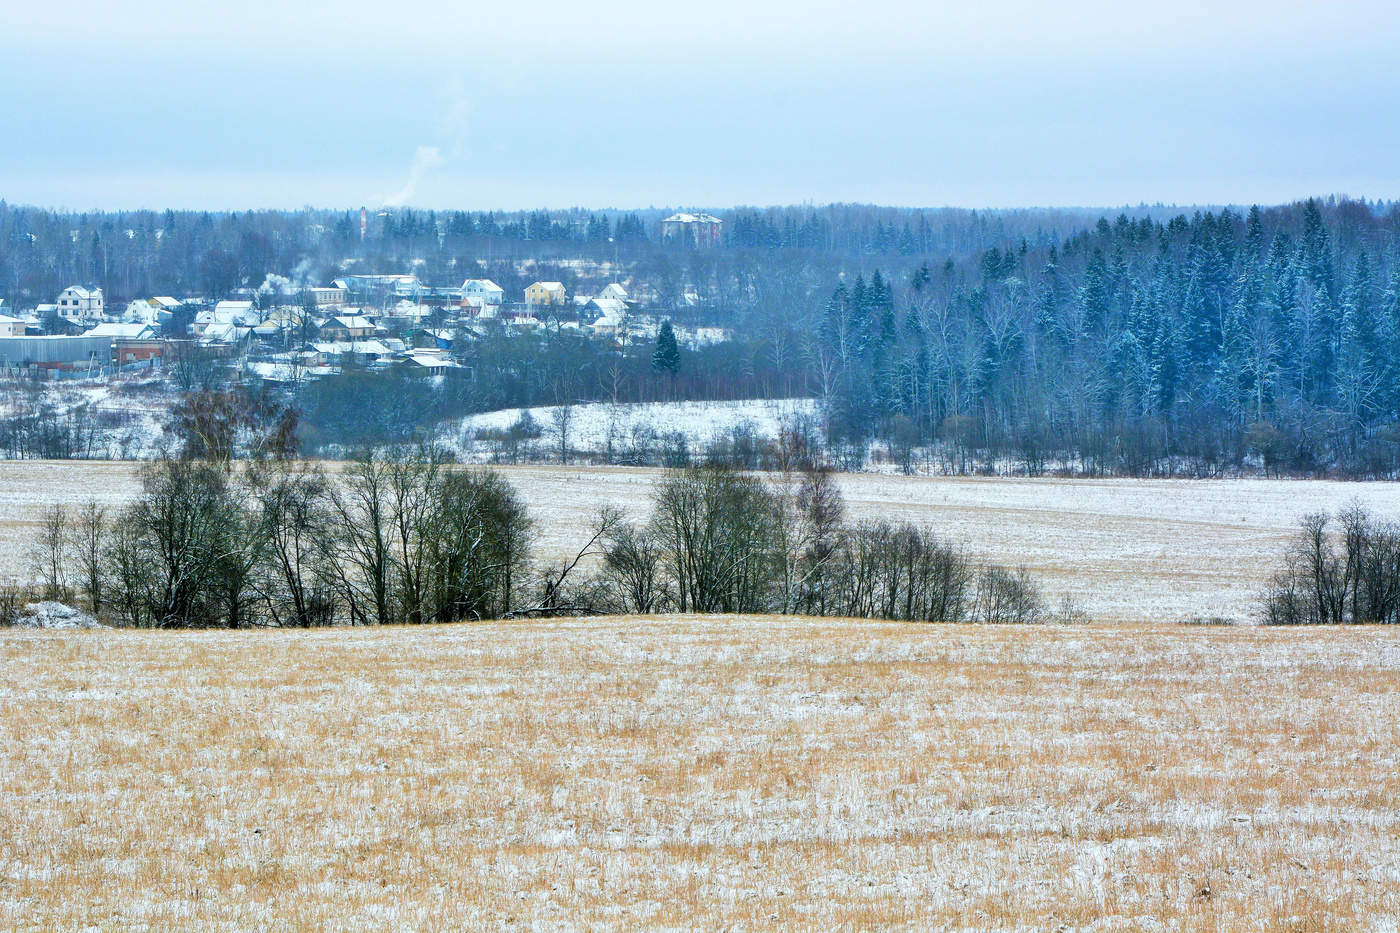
<point x="284" y="332"/>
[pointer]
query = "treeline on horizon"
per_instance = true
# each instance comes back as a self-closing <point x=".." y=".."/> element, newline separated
<point x="136" y="254"/>
<point x="1019" y="341"/>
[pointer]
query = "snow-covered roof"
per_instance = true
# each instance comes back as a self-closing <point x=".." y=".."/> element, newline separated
<point x="287" y="372"/>
<point x="122" y="331"/>
<point x="165" y="301"/>
<point x="355" y="321"/>
<point x="609" y="307"/>
<point x="224" y="332"/>
<point x="549" y="286"/>
<point x="613" y="290"/>
<point x="696" y="218"/>
<point x="482" y="285"/>
<point x="431" y="361"/>
<point x="231" y="312"/>
<point x="362" y="347"/>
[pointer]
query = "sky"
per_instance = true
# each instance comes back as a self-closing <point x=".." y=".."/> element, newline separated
<point x="711" y="103"/>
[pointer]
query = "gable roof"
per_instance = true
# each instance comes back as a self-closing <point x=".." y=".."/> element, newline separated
<point x="485" y="285"/>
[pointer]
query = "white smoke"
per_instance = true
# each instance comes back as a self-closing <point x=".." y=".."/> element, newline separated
<point x="456" y="106"/>
<point x="275" y="284"/>
<point x="425" y="160"/>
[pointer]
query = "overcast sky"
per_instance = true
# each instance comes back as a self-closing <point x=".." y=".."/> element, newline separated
<point x="543" y="103"/>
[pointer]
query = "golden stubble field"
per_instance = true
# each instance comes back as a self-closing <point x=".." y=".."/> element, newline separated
<point x="1126" y="550"/>
<point x="686" y="773"/>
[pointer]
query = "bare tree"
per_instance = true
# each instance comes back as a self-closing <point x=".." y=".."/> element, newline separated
<point x="87" y="543"/>
<point x="561" y="419"/>
<point x="48" y="554"/>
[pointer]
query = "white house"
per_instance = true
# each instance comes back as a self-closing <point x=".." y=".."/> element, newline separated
<point x="154" y="311"/>
<point x="613" y="290"/>
<point x="11" y="326"/>
<point x="80" y="305"/>
<point x="488" y="291"/>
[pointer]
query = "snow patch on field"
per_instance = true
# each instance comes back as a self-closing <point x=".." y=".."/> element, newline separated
<point x="55" y="615"/>
<point x="592" y="424"/>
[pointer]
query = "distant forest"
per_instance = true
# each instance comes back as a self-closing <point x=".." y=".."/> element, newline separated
<point x="1146" y="343"/>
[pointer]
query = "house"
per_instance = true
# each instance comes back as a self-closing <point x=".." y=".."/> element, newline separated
<point x="346" y="327"/>
<point x="236" y="313"/>
<point x="226" y="334"/>
<point x="154" y="311"/>
<point x="327" y="298"/>
<point x="439" y="339"/>
<point x="545" y="294"/>
<point x="606" y="307"/>
<point x="366" y="351"/>
<point x="613" y="290"/>
<point x="82" y="306"/>
<point x="12" y="326"/>
<point x="488" y="291"/>
<point x="430" y="360"/>
<point x="697" y="229"/>
<point x="133" y="345"/>
<point x="377" y="287"/>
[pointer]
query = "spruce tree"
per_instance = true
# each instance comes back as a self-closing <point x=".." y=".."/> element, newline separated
<point x="667" y="356"/>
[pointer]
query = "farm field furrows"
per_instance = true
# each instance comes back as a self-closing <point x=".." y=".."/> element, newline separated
<point x="1127" y="550"/>
<point x="701" y="773"/>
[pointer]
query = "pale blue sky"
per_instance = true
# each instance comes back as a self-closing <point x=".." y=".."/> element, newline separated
<point x="540" y="103"/>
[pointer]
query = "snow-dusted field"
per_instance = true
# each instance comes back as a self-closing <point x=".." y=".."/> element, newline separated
<point x="701" y="774"/>
<point x="1127" y="550"/>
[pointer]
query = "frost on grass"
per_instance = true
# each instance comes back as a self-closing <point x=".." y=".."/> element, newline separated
<point x="714" y="773"/>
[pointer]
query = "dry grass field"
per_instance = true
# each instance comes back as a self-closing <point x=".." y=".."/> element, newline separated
<point x="1127" y="550"/>
<point x="701" y="774"/>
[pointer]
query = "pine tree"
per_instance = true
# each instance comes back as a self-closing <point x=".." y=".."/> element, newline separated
<point x="667" y="356"/>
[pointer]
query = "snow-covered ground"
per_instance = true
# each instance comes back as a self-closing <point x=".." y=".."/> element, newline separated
<point x="683" y="773"/>
<point x="128" y="412"/>
<point x="592" y="426"/>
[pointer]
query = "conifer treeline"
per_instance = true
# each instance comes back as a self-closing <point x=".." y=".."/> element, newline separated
<point x="1140" y="348"/>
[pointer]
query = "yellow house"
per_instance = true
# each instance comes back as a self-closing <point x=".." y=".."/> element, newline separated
<point x="544" y="294"/>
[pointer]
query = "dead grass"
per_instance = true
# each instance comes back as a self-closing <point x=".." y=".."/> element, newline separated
<point x="689" y="773"/>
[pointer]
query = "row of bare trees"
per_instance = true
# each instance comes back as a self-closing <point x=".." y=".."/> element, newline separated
<point x="719" y="540"/>
<point x="1338" y="570"/>
<point x="407" y="537"/>
<point x="400" y="538"/>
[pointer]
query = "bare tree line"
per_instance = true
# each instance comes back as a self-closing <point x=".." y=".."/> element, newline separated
<point x="408" y="537"/>
<point x="396" y="538"/>
<point x="720" y="540"/>
<point x="1351" y="575"/>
